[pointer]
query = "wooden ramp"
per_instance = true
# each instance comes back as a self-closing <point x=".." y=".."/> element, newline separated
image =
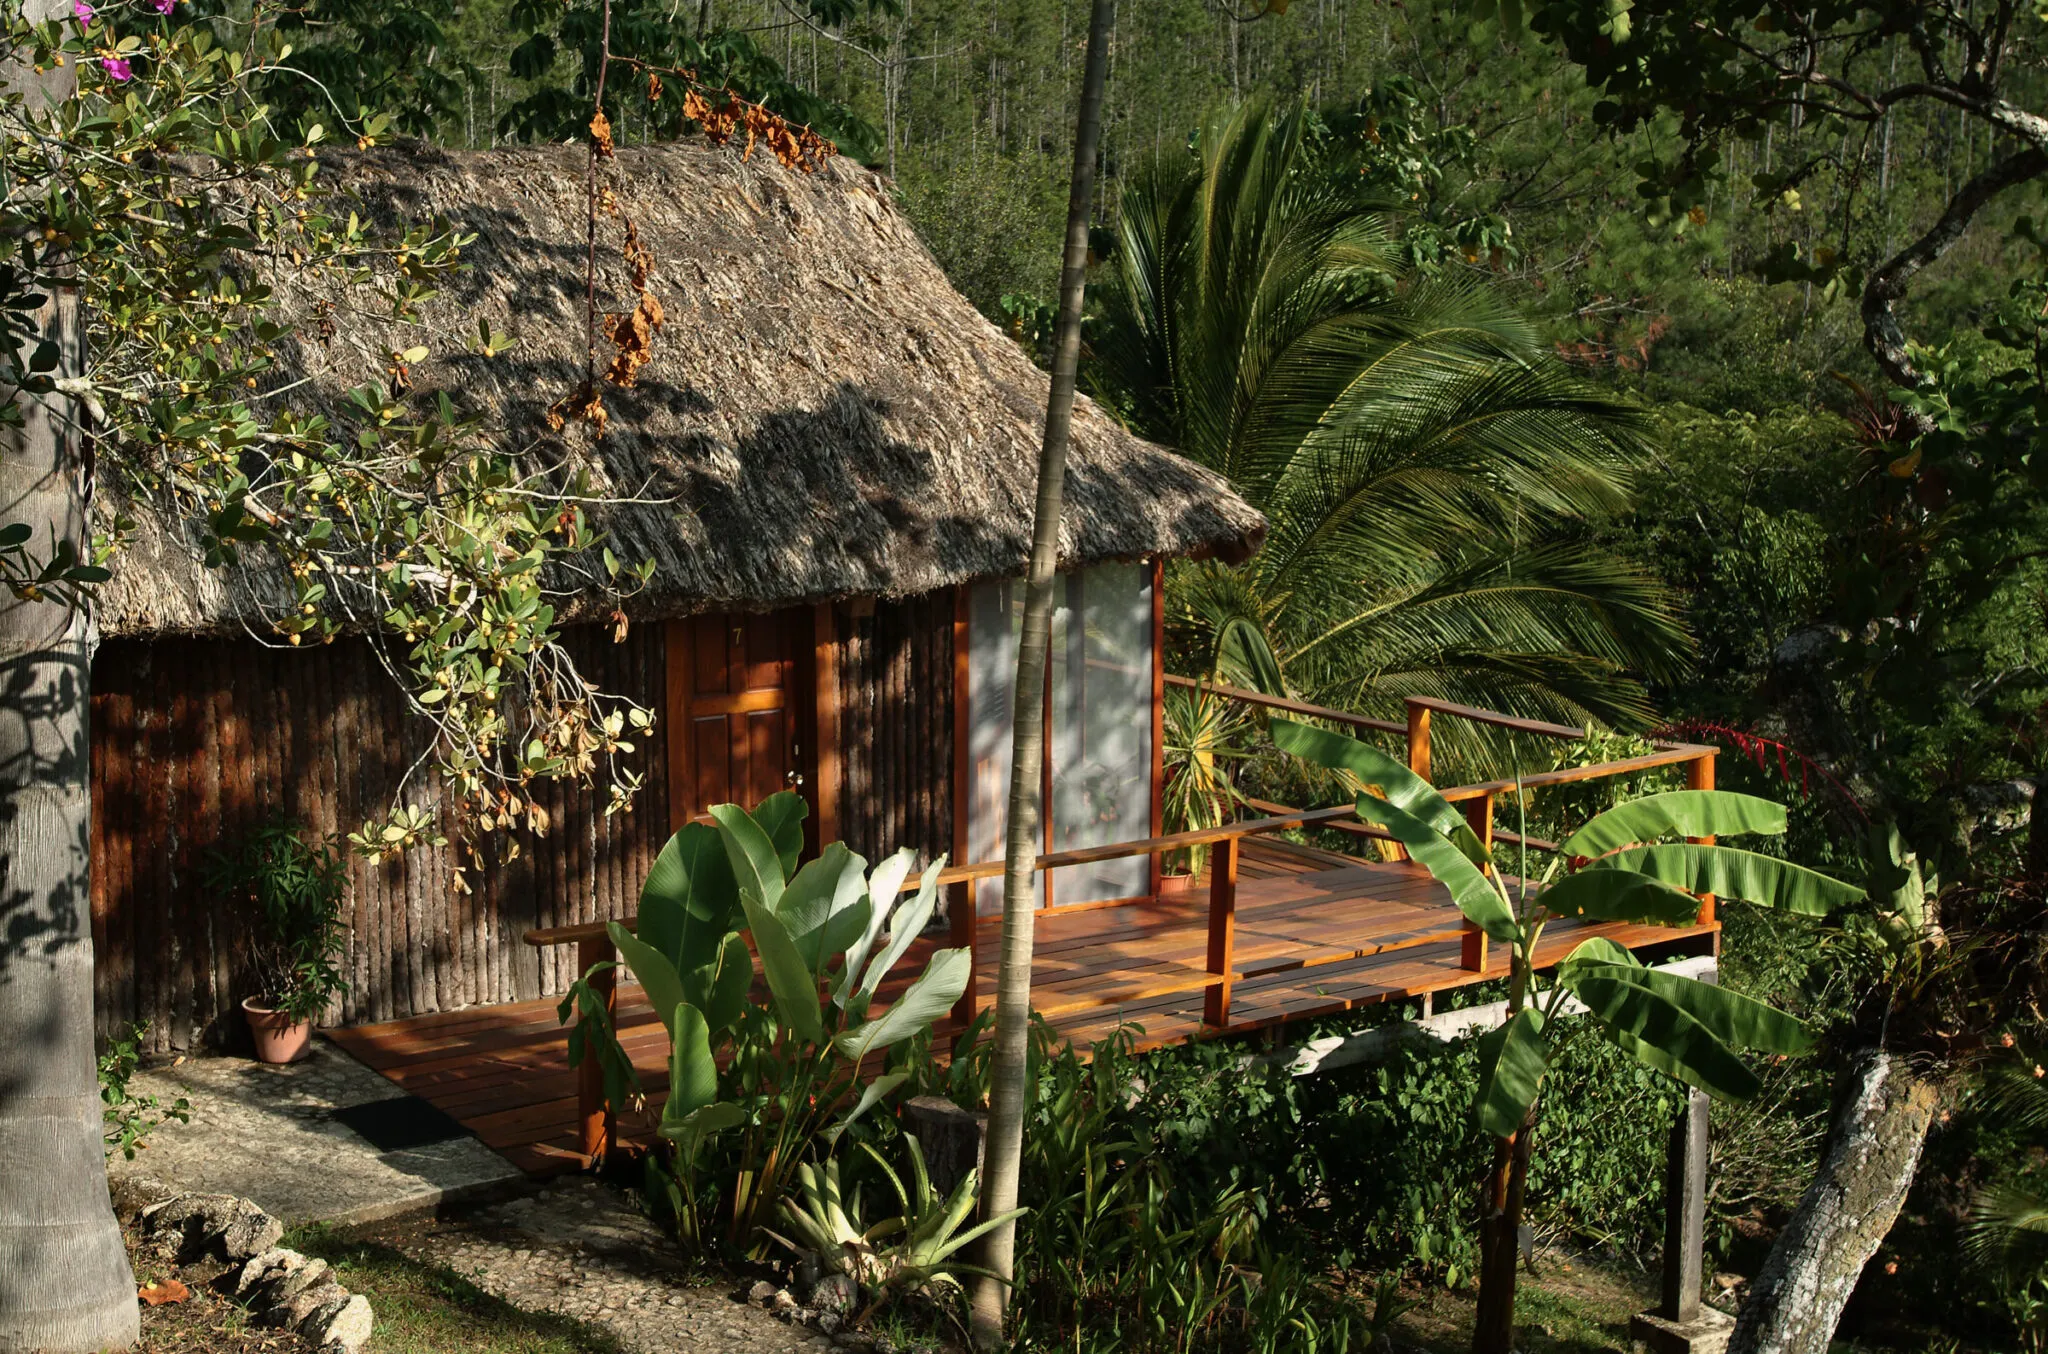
<point x="1316" y="934"/>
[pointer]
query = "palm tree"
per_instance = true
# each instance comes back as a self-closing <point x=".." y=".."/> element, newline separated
<point x="1434" y="480"/>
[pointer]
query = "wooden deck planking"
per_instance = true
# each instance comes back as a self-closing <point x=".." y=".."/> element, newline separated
<point x="1317" y="934"/>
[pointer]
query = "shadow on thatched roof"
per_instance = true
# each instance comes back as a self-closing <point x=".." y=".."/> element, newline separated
<point x="823" y="417"/>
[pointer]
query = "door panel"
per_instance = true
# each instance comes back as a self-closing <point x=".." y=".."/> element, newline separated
<point x="734" y="710"/>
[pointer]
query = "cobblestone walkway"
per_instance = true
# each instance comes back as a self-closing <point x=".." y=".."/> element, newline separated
<point x="579" y="1249"/>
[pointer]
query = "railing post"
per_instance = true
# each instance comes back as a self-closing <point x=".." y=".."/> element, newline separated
<point x="596" y="1118"/>
<point x="1699" y="775"/>
<point x="1222" y="932"/>
<point x="1472" y="949"/>
<point x="1418" y="738"/>
<point x="961" y="919"/>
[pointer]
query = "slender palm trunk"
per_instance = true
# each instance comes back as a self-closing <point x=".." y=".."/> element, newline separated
<point x="64" y="1278"/>
<point x="1880" y="1124"/>
<point x="1027" y="747"/>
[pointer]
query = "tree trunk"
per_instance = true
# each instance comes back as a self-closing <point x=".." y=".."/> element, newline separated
<point x="1873" y="1149"/>
<point x="1027" y="746"/>
<point x="1500" y="1241"/>
<point x="64" y="1277"/>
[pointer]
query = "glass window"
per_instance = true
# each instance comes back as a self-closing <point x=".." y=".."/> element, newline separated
<point x="1101" y="747"/>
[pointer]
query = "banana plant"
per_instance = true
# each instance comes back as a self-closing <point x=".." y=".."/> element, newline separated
<point x="791" y="1073"/>
<point x="1623" y="866"/>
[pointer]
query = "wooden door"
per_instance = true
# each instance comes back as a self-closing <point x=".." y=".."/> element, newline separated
<point x="738" y="711"/>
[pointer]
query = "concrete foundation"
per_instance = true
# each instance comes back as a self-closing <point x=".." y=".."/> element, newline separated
<point x="1706" y="1333"/>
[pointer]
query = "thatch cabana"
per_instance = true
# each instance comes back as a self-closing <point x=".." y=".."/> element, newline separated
<point x="833" y="456"/>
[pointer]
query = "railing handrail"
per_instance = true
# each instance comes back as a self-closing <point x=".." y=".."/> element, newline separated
<point x="1054" y="860"/>
<point x="1293" y="707"/>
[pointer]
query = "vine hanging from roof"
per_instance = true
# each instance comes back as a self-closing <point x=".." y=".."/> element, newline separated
<point x="722" y="115"/>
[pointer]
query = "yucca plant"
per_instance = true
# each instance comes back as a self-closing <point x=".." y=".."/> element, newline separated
<point x="1207" y="736"/>
<point x="1432" y="476"/>
<point x="1619" y="866"/>
<point x="787" y="1074"/>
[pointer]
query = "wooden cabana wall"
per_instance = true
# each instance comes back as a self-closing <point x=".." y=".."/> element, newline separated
<point x="195" y="741"/>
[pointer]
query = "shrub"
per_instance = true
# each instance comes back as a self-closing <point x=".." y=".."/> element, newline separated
<point x="291" y="889"/>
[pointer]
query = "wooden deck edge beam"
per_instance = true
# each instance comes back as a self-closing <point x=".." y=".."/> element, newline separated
<point x="1295" y="965"/>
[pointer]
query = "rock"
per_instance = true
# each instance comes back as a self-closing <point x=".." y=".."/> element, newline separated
<point x="340" y="1328"/>
<point x="835" y="1294"/>
<point x="297" y="1280"/>
<point x="296" y="1311"/>
<point x="231" y="1228"/>
<point x="132" y="1194"/>
<point x="828" y="1322"/>
<point x="782" y="1301"/>
<point x="762" y="1294"/>
<point x="262" y="1267"/>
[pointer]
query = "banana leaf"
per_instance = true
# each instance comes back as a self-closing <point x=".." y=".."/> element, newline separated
<point x="1685" y="813"/>
<point x="923" y="1002"/>
<point x="689" y="898"/>
<point x="1743" y="1022"/>
<point x="1726" y="872"/>
<point x="1398" y="785"/>
<point x="756" y="862"/>
<point x="1660" y="1033"/>
<point x="790" y="983"/>
<point x="905" y="927"/>
<point x="884" y="883"/>
<point x="1512" y="1060"/>
<point x="1619" y="895"/>
<point x="1470" y="889"/>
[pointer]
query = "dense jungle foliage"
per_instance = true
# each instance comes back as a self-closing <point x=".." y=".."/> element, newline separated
<point x="1708" y="286"/>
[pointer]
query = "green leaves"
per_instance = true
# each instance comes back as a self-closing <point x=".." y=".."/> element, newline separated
<point x="1680" y="1026"/>
<point x="825" y="908"/>
<point x="692" y="1075"/>
<point x="1399" y="786"/>
<point x="1476" y="895"/>
<point x="756" y="862"/>
<point x="1620" y="895"/>
<point x="930" y="997"/>
<point x="790" y="981"/>
<point x="1685" y="813"/>
<point x="1729" y="873"/>
<point x="1512" y="1060"/>
<point x="690" y="897"/>
<point x="905" y="928"/>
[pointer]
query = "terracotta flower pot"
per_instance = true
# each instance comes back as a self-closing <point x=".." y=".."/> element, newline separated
<point x="278" y="1038"/>
<point x="1175" y="885"/>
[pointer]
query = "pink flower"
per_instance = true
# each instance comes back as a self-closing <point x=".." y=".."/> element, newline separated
<point x="82" y="11"/>
<point x="165" y="6"/>
<point x="117" y="66"/>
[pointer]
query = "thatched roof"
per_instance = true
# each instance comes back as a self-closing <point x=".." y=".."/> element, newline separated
<point x="823" y="417"/>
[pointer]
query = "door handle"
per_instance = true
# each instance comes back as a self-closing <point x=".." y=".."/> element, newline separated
<point x="794" y="779"/>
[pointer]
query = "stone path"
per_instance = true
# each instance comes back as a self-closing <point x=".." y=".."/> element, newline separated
<point x="268" y="1134"/>
<point x="579" y="1249"/>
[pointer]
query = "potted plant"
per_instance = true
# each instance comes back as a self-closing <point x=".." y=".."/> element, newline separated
<point x="1204" y="735"/>
<point x="290" y="890"/>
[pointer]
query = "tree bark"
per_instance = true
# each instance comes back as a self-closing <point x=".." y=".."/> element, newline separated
<point x="1882" y="333"/>
<point x="65" y="1283"/>
<point x="1027" y="746"/>
<point x="1500" y="1241"/>
<point x="1873" y="1149"/>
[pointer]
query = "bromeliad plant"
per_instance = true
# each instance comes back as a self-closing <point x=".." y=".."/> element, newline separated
<point x="1619" y="866"/>
<point x="759" y="1091"/>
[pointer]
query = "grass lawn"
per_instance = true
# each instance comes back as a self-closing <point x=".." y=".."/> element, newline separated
<point x="424" y="1309"/>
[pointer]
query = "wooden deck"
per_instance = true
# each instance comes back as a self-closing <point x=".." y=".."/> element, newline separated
<point x="1317" y="934"/>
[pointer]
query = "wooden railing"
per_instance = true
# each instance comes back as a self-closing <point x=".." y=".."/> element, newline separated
<point x="1220" y="972"/>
